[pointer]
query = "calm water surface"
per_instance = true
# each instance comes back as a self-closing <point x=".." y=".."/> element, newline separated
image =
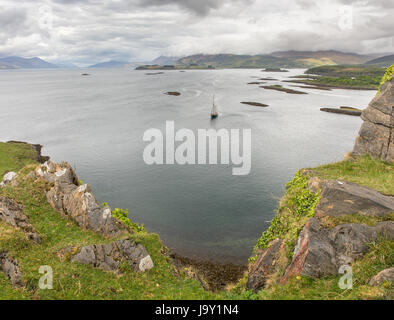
<point x="96" y="123"/>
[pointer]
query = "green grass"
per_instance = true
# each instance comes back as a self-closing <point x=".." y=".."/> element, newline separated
<point x="387" y="76"/>
<point x="343" y="76"/>
<point x="367" y="82"/>
<point x="74" y="280"/>
<point x="14" y="156"/>
<point x="330" y="222"/>
<point x="77" y="281"/>
<point x="380" y="257"/>
<point x="347" y="71"/>
<point x="366" y="171"/>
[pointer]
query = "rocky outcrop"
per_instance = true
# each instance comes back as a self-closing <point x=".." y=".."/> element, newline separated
<point x="108" y="257"/>
<point x="386" y="275"/>
<point x="264" y="266"/>
<point x="77" y="201"/>
<point x="341" y="197"/>
<point x="376" y="136"/>
<point x="314" y="254"/>
<point x="12" y="213"/>
<point x="8" y="178"/>
<point x="10" y="267"/>
<point x="321" y="252"/>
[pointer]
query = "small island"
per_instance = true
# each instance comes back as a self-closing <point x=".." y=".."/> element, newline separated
<point x="173" y="93"/>
<point x="344" y="110"/>
<point x="256" y="82"/>
<point x="255" y="104"/>
<point x="274" y="70"/>
<point x="313" y="87"/>
<point x="282" y="89"/>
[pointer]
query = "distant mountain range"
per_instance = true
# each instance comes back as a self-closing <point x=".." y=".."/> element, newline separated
<point x="280" y="59"/>
<point x="330" y="57"/>
<point x="163" y="60"/>
<point x="23" y="63"/>
<point x="385" y="61"/>
<point x="110" y="64"/>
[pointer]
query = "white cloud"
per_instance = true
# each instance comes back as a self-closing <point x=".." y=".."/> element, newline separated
<point x="89" y="31"/>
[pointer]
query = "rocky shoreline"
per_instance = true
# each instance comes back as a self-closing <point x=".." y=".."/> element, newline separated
<point x="323" y="224"/>
<point x="78" y="203"/>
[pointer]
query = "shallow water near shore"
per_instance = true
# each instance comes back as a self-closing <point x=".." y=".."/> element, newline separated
<point x="96" y="123"/>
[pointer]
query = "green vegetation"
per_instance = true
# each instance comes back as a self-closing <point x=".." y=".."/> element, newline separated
<point x="380" y="257"/>
<point x="123" y="216"/>
<point x="330" y="222"/>
<point x="13" y="156"/>
<point x="387" y="76"/>
<point x="347" y="71"/>
<point x="296" y="207"/>
<point x="360" y="82"/>
<point x="74" y="280"/>
<point x="77" y="281"/>
<point x="346" y="77"/>
<point x="366" y="171"/>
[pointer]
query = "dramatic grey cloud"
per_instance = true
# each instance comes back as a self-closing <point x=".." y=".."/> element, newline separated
<point x="90" y="31"/>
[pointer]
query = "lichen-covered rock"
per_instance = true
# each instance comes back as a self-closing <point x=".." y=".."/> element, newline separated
<point x="8" y="178"/>
<point x="77" y="202"/>
<point x="321" y="252"/>
<point x="109" y="256"/>
<point x="10" y="267"/>
<point x="341" y="197"/>
<point x="12" y="213"/>
<point x="376" y="136"/>
<point x="350" y="242"/>
<point x="386" y="275"/>
<point x="263" y="266"/>
<point x="314" y="254"/>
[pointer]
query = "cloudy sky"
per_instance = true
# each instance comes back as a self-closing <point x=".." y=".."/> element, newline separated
<point x="90" y="31"/>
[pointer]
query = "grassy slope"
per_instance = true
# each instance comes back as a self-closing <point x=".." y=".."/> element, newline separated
<point x="364" y="170"/>
<point x="73" y="280"/>
<point x="76" y="281"/>
<point x="13" y="156"/>
<point x="357" y="77"/>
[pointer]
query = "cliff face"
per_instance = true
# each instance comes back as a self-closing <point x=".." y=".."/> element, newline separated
<point x="376" y="136"/>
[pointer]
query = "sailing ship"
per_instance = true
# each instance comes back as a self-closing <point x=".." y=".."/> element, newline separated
<point x="214" y="112"/>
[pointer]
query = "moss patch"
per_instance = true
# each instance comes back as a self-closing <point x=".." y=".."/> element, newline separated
<point x="387" y="76"/>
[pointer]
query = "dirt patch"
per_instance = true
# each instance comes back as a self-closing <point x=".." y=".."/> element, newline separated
<point x="212" y="276"/>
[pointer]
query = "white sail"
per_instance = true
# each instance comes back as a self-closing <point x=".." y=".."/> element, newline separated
<point x="214" y="111"/>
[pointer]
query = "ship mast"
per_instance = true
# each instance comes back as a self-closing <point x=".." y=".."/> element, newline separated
<point x="214" y="106"/>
